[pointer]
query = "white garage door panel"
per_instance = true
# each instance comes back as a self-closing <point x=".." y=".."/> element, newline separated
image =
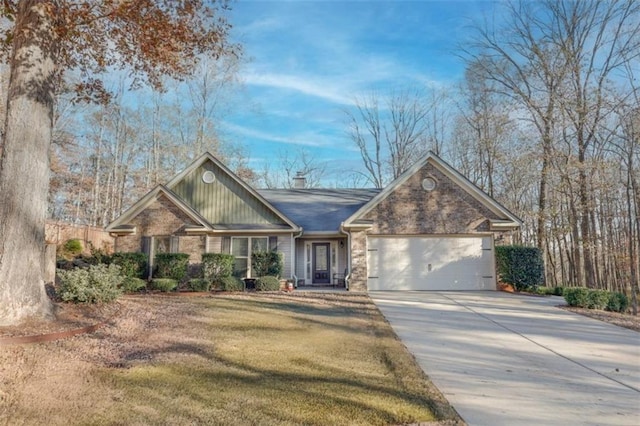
<point x="430" y="263"/>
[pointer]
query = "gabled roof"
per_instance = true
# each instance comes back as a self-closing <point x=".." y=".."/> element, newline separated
<point x="208" y="157"/>
<point x="121" y="223"/>
<point x="318" y="210"/>
<point x="508" y="221"/>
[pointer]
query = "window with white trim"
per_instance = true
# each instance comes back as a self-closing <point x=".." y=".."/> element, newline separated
<point x="241" y="249"/>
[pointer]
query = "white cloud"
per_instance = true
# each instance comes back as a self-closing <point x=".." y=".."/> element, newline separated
<point x="301" y="139"/>
<point x="310" y="86"/>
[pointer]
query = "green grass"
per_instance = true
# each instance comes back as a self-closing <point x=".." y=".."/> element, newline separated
<point x="278" y="360"/>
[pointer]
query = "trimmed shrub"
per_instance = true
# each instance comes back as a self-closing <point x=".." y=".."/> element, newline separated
<point x="171" y="265"/>
<point x="73" y="247"/>
<point x="230" y="283"/>
<point x="577" y="296"/>
<point x="199" y="284"/>
<point x="133" y="284"/>
<point x="618" y="302"/>
<point x="550" y="291"/>
<point x="268" y="283"/>
<point x="598" y="299"/>
<point x="266" y="263"/>
<point x="97" y="256"/>
<point x="164" y="284"/>
<point x="132" y="264"/>
<point x="520" y="266"/>
<point x="544" y="291"/>
<point x="216" y="265"/>
<point x="95" y="284"/>
<point x="70" y="249"/>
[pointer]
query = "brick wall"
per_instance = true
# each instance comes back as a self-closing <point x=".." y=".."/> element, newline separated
<point x="162" y="217"/>
<point x="445" y="210"/>
<point x="410" y="210"/>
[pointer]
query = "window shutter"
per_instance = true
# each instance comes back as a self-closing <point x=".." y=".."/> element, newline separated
<point x="273" y="243"/>
<point x="174" y="244"/>
<point x="147" y="248"/>
<point x="226" y="245"/>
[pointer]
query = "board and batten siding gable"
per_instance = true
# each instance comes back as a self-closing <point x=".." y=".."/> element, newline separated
<point x="223" y="201"/>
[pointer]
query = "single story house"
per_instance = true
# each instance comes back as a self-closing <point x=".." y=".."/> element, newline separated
<point x="430" y="229"/>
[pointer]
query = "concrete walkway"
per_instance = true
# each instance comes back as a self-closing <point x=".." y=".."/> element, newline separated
<point x="503" y="359"/>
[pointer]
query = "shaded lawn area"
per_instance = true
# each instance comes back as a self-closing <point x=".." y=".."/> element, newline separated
<point x="306" y="358"/>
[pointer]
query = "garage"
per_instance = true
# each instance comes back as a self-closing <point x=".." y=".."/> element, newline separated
<point x="430" y="263"/>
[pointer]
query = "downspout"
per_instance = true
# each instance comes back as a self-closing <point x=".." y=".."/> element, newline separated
<point x="347" y="277"/>
<point x="294" y="257"/>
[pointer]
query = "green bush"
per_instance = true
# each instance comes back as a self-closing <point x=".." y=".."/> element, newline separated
<point x="73" y="247"/>
<point x="267" y="283"/>
<point x="598" y="299"/>
<point x="618" y="302"/>
<point x="544" y="291"/>
<point x="230" y="283"/>
<point x="520" y="266"/>
<point x="96" y="284"/>
<point x="199" y="284"/>
<point x="216" y="265"/>
<point x="97" y="256"/>
<point x="164" y="284"/>
<point x="133" y="284"/>
<point x="266" y="263"/>
<point x="550" y="291"/>
<point x="133" y="264"/>
<point x="171" y="265"/>
<point x="577" y="296"/>
<point x="69" y="250"/>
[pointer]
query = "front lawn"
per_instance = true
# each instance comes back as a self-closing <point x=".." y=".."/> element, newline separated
<point x="234" y="359"/>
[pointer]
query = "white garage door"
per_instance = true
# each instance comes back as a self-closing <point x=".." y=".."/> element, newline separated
<point x="430" y="263"/>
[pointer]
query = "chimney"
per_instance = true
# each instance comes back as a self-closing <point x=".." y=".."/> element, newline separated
<point x="299" y="181"/>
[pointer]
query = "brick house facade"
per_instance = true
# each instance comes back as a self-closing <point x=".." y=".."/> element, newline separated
<point x="324" y="234"/>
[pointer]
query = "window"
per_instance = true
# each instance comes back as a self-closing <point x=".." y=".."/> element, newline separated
<point x="165" y="244"/>
<point x="162" y="244"/>
<point x="241" y="249"/>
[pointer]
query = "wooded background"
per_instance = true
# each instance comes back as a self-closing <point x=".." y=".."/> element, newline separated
<point x="546" y="121"/>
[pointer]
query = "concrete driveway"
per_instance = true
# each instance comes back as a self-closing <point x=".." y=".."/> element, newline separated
<point x="503" y="359"/>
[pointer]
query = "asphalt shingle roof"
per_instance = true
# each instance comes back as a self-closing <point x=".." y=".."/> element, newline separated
<point x="318" y="210"/>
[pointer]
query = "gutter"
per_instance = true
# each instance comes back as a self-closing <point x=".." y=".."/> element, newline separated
<point x="348" y="234"/>
<point x="294" y="256"/>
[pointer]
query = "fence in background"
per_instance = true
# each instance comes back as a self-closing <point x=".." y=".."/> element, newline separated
<point x="60" y="232"/>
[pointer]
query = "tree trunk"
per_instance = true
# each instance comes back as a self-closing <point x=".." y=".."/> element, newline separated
<point x="24" y="165"/>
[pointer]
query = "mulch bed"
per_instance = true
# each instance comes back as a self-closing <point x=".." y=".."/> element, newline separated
<point x="627" y="320"/>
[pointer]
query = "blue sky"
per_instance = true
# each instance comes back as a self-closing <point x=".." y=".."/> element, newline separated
<point x="308" y="60"/>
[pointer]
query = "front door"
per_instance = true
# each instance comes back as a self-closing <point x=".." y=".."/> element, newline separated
<point x="321" y="264"/>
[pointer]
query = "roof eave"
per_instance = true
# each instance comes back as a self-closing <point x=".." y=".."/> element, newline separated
<point x="449" y="171"/>
<point x="144" y="202"/>
<point x="503" y="225"/>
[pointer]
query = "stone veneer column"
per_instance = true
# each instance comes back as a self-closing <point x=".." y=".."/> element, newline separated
<point x="358" y="281"/>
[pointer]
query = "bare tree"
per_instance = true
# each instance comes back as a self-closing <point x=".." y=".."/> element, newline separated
<point x="487" y="119"/>
<point x="525" y="70"/>
<point x="557" y="62"/>
<point x="594" y="39"/>
<point x="302" y="163"/>
<point x="390" y="133"/>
